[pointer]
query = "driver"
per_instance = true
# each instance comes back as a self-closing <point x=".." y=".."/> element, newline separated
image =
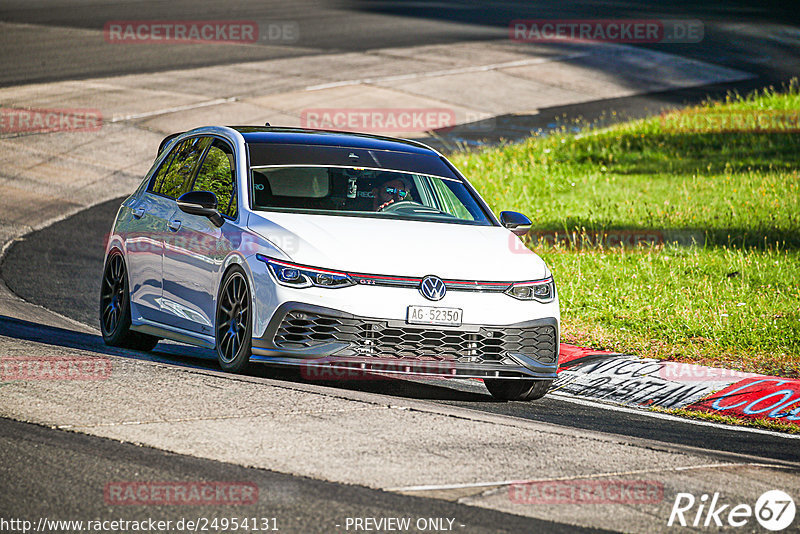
<point x="394" y="189"/>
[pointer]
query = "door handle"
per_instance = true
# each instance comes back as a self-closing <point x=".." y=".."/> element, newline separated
<point x="138" y="212"/>
<point x="174" y="225"/>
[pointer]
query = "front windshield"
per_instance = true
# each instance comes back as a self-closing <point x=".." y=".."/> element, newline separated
<point x="364" y="192"/>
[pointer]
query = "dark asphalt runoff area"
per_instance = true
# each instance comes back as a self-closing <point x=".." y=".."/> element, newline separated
<point x="59" y="268"/>
<point x="60" y="475"/>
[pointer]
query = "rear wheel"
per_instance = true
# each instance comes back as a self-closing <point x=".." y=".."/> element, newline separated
<point x="233" y="322"/>
<point x="115" y="308"/>
<point x="518" y="390"/>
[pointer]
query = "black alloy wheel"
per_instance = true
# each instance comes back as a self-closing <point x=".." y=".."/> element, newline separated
<point x="517" y="390"/>
<point x="234" y="323"/>
<point x="115" y="309"/>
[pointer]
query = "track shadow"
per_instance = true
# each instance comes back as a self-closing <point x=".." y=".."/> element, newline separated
<point x="384" y="385"/>
<point x="186" y="355"/>
<point x="584" y="233"/>
<point x="199" y="358"/>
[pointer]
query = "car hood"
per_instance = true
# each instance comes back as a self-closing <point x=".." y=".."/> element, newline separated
<point x="399" y="247"/>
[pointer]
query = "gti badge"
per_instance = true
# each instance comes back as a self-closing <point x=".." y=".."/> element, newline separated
<point x="432" y="288"/>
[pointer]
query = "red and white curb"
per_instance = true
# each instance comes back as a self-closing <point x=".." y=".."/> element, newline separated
<point x="644" y="382"/>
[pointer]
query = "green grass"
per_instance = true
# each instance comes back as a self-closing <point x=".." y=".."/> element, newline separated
<point x="764" y="424"/>
<point x="732" y="299"/>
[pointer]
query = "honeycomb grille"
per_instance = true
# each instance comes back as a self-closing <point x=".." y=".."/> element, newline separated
<point x="378" y="339"/>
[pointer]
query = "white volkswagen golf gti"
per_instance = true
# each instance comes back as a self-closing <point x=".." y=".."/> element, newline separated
<point x="328" y="250"/>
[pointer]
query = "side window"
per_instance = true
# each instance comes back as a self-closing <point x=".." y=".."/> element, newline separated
<point x="173" y="177"/>
<point x="158" y="180"/>
<point x="449" y="202"/>
<point x="217" y="175"/>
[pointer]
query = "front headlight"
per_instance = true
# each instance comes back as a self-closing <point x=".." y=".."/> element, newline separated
<point x="301" y="276"/>
<point x="541" y="290"/>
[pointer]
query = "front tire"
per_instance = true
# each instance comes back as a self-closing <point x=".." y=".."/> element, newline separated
<point x="517" y="390"/>
<point x="234" y="323"/>
<point x="115" y="308"/>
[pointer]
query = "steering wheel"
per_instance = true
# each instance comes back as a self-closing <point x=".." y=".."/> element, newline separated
<point x="395" y="206"/>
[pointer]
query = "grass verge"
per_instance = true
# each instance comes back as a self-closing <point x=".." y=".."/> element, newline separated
<point x="676" y="239"/>
<point x="764" y="424"/>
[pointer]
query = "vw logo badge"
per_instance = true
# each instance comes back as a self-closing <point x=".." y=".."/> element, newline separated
<point x="432" y="288"/>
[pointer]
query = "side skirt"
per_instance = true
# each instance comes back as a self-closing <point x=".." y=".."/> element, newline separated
<point x="175" y="334"/>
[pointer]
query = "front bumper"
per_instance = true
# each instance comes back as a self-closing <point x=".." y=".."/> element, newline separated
<point x="317" y="338"/>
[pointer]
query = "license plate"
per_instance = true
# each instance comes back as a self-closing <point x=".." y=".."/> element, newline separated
<point x="432" y="315"/>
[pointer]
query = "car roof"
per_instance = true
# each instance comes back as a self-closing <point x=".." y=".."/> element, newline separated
<point x="301" y="136"/>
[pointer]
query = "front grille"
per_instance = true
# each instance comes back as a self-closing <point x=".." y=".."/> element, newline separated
<point x="377" y="339"/>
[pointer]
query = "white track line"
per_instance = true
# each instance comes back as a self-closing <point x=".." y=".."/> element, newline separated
<point x="669" y="417"/>
<point x="583" y="477"/>
<point x="222" y="417"/>
<point x="447" y="72"/>
<point x="175" y="109"/>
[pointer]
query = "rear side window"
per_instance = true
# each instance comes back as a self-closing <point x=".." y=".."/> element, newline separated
<point x="173" y="178"/>
<point x="217" y="175"/>
<point x="308" y="182"/>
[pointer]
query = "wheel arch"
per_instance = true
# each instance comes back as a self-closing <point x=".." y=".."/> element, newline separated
<point x="229" y="266"/>
<point x="233" y="261"/>
<point x="116" y="246"/>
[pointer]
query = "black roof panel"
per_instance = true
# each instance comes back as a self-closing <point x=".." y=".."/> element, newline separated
<point x="299" y="136"/>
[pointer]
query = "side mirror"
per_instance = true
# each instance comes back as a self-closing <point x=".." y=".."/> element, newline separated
<point x="203" y="203"/>
<point x="516" y="222"/>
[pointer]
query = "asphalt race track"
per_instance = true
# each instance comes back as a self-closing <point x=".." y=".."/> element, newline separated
<point x="333" y="27"/>
<point x="60" y="466"/>
<point x="338" y="26"/>
<point x="303" y="505"/>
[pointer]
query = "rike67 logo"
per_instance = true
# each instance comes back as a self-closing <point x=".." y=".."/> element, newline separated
<point x="774" y="510"/>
